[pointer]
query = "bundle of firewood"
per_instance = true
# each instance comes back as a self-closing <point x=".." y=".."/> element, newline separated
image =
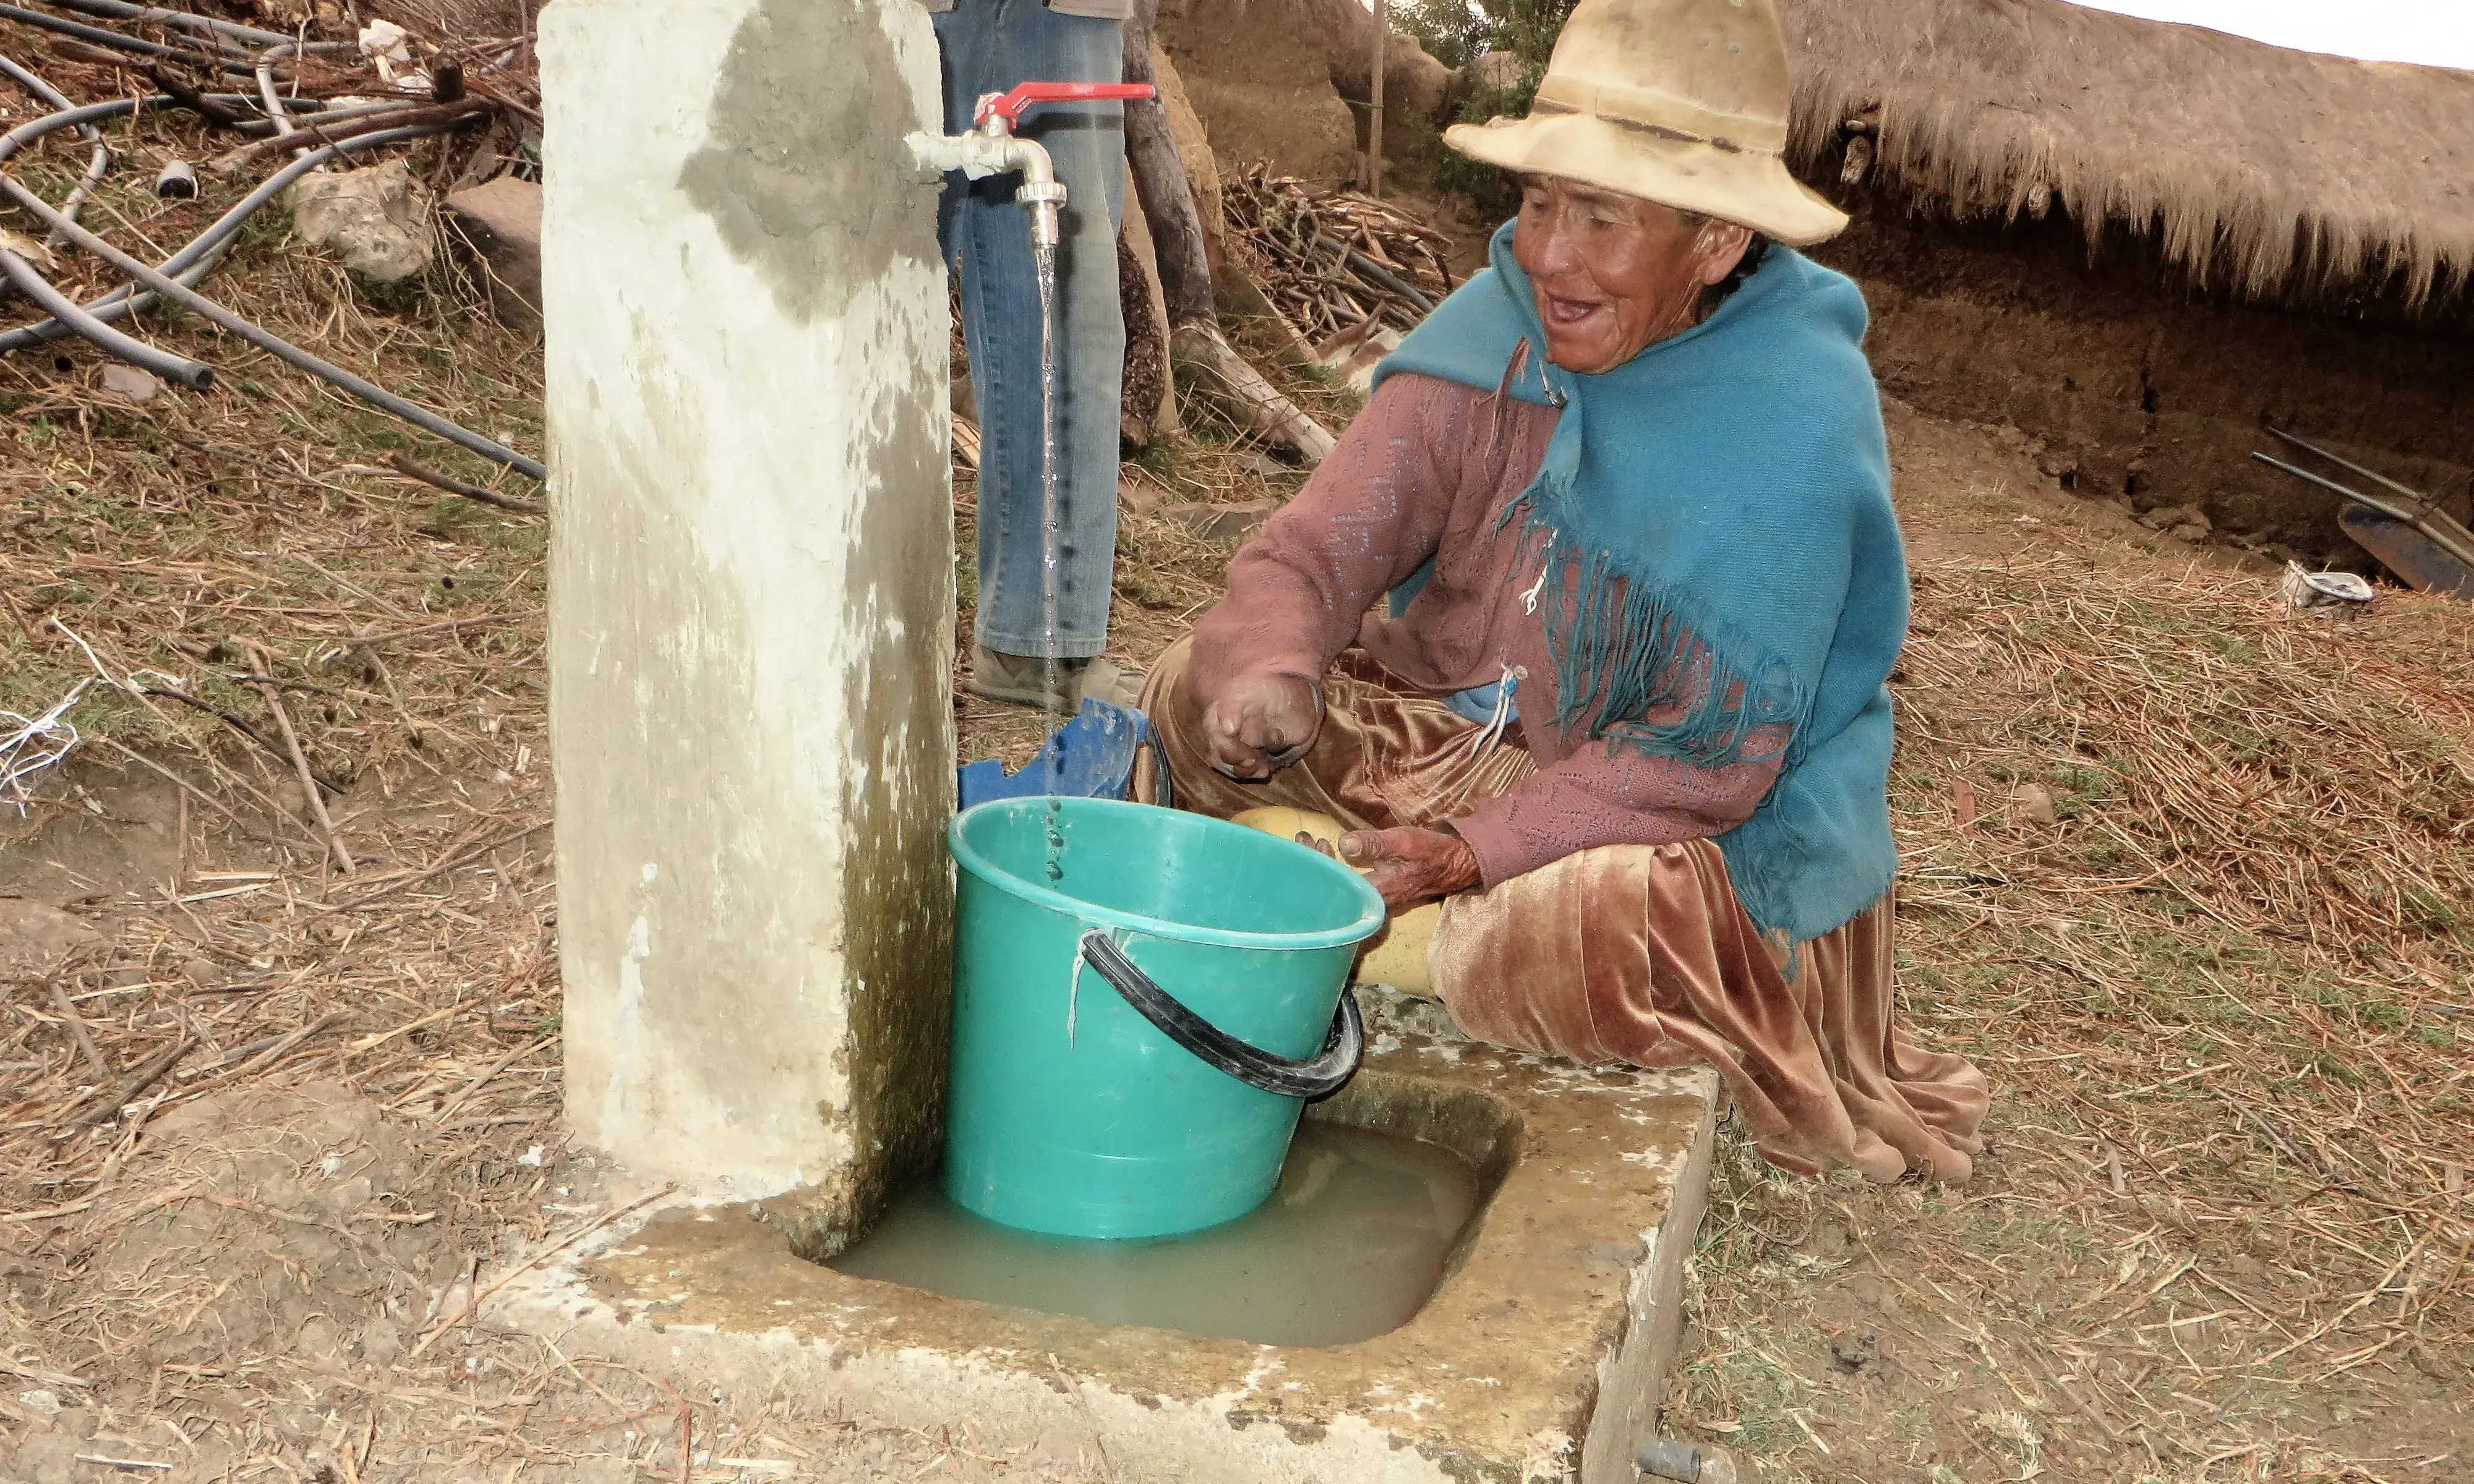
<point x="1331" y="263"/>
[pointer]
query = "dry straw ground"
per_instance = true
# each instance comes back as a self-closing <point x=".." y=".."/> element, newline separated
<point x="2187" y="874"/>
<point x="269" y="1132"/>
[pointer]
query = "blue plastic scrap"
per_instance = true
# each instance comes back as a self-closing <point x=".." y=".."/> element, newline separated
<point x="1092" y="757"/>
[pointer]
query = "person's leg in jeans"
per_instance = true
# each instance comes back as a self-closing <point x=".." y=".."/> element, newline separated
<point x="991" y="45"/>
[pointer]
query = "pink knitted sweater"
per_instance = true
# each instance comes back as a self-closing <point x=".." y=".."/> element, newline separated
<point x="1426" y="471"/>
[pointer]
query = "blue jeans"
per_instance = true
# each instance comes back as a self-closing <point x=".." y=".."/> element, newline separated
<point x="989" y="46"/>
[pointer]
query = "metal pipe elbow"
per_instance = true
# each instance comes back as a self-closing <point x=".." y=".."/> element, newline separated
<point x="981" y="154"/>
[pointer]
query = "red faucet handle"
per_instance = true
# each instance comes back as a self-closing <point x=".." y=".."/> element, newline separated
<point x="1011" y="106"/>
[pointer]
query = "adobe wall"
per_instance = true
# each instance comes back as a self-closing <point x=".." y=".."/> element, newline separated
<point x="2138" y="385"/>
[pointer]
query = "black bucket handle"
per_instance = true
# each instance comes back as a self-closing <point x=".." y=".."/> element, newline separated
<point x="1321" y="1076"/>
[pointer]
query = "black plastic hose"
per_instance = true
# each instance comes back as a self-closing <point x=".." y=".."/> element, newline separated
<point x="201" y="25"/>
<point x="137" y="45"/>
<point x="273" y="345"/>
<point x="59" y="307"/>
<point x="1317" y="1077"/>
<point x="200" y="249"/>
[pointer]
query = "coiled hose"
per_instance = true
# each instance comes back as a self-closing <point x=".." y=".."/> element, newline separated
<point x="192" y="262"/>
<point x="96" y="165"/>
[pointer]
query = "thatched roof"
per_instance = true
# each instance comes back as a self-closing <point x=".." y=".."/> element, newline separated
<point x="2283" y="175"/>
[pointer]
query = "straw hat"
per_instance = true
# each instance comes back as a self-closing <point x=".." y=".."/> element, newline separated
<point x="1681" y="102"/>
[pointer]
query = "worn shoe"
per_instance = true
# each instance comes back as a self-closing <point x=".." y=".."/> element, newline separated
<point x="1020" y="680"/>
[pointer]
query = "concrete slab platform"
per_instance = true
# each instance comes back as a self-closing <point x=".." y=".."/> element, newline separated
<point x="1543" y="1356"/>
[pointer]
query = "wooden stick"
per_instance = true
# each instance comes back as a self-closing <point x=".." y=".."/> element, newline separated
<point x="1248" y="397"/>
<point x="456" y="856"/>
<point x="284" y="1044"/>
<point x="190" y="790"/>
<point x="273" y="694"/>
<point x="76" y="1028"/>
<point x="313" y="134"/>
<point x="1374" y="115"/>
<point x="405" y="464"/>
<point x="109" y="1109"/>
<point x="495" y="1068"/>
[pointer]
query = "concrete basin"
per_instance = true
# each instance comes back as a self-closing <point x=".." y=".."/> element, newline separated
<point x="1541" y="1356"/>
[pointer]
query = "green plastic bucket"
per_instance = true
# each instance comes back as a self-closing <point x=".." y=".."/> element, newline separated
<point x="1073" y="1111"/>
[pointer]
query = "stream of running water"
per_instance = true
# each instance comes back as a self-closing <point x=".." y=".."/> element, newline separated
<point x="1050" y="543"/>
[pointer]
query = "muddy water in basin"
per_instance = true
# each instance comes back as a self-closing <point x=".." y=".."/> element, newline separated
<point x="1349" y="1246"/>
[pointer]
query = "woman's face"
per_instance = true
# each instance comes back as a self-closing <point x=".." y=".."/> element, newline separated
<point x="1613" y="274"/>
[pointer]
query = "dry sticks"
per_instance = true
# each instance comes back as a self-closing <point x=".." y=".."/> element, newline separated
<point x="316" y="801"/>
<point x="1336" y="262"/>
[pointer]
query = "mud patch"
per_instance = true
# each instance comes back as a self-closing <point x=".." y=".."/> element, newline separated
<point x="282" y="1219"/>
<point x="806" y="174"/>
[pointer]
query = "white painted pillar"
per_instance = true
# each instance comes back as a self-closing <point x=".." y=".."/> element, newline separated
<point x="751" y="591"/>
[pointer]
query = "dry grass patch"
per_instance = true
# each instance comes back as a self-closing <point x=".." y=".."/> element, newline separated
<point x="2187" y="874"/>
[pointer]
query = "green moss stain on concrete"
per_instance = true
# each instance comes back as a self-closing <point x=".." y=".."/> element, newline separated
<point x="896" y="875"/>
<point x="804" y="170"/>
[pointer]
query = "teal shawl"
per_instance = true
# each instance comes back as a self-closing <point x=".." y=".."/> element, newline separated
<point x="1729" y="485"/>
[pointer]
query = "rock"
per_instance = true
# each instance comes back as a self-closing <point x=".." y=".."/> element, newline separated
<point x="2183" y="522"/>
<point x="1223" y="522"/>
<point x="36" y="937"/>
<point x="2035" y="804"/>
<point x="1494" y="72"/>
<point x="1415" y="84"/>
<point x="49" y="1457"/>
<point x="134" y="385"/>
<point x="502" y="219"/>
<point x="373" y="220"/>
<point x="1258" y="73"/>
<point x="1852" y="1352"/>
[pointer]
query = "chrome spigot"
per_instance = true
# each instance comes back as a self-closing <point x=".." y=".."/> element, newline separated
<point x="991" y="147"/>
<point x="1040" y="190"/>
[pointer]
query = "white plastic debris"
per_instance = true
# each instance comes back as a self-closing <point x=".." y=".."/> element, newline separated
<point x="383" y="41"/>
<point x="389" y="46"/>
<point x="42" y="1403"/>
<point x="2305" y="589"/>
<point x="31" y="744"/>
<point x="532" y="1158"/>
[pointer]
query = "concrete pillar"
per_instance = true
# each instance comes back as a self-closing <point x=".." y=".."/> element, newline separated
<point x="751" y="593"/>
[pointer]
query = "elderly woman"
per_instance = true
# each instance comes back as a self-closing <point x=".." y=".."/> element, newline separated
<point x="1625" y="715"/>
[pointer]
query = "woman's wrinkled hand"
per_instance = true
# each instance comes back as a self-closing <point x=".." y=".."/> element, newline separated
<point x="1411" y="865"/>
<point x="1260" y="724"/>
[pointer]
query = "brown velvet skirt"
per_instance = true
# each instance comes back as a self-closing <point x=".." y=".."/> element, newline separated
<point x="1638" y="954"/>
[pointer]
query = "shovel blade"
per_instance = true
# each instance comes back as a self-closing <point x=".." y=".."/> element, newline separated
<point x="2407" y="552"/>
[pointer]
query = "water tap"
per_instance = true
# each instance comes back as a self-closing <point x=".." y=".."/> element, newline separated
<point x="991" y="148"/>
